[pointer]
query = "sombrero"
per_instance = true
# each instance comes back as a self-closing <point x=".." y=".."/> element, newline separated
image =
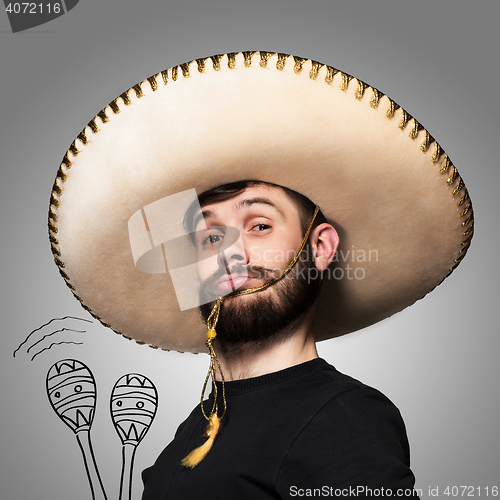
<point x="402" y="211"/>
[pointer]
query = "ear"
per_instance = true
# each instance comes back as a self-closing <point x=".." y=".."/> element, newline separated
<point x="324" y="242"/>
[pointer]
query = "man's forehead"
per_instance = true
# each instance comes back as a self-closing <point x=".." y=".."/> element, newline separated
<point x="261" y="195"/>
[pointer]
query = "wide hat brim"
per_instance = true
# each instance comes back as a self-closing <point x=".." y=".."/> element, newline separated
<point x="402" y="211"/>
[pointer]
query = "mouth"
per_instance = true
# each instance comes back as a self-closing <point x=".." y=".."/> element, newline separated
<point x="230" y="283"/>
<point x="239" y="279"/>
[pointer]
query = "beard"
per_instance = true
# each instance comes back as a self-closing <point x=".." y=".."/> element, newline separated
<point x="269" y="316"/>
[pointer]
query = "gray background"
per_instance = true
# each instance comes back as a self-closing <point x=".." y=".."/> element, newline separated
<point x="437" y="360"/>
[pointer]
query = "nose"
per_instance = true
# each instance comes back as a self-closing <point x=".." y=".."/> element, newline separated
<point x="233" y="255"/>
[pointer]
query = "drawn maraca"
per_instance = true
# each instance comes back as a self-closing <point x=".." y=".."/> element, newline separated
<point x="72" y="393"/>
<point x="134" y="401"/>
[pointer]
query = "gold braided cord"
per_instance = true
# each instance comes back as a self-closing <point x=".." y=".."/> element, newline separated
<point x="211" y="373"/>
<point x="214" y="315"/>
<point x="360" y="91"/>
<point x="288" y="268"/>
<point x="231" y="60"/>
<point x="213" y="318"/>
<point x="138" y="90"/>
<point x="299" y="62"/>
<point x="201" y="64"/>
<point x="214" y="361"/>
<point x="427" y="142"/>
<point x="280" y="63"/>
<point x="216" y="61"/>
<point x="103" y="116"/>
<point x="152" y="83"/>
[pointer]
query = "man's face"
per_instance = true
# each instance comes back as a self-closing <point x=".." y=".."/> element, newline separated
<point x="268" y="224"/>
<point x="270" y="234"/>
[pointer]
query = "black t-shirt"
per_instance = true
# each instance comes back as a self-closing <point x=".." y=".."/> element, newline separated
<point x="304" y="431"/>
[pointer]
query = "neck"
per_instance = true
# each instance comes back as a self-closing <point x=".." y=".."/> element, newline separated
<point x="254" y="360"/>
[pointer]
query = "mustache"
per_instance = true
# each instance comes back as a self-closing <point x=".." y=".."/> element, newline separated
<point x="252" y="271"/>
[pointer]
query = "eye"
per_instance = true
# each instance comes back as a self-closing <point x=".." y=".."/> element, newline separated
<point x="261" y="227"/>
<point x="78" y="388"/>
<point x="212" y="239"/>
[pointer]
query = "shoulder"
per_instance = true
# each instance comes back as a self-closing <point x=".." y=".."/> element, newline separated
<point x="363" y="413"/>
<point x="340" y="391"/>
<point x="365" y="416"/>
<point x="356" y="436"/>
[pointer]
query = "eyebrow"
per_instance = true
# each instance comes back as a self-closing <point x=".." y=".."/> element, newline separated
<point x="207" y="214"/>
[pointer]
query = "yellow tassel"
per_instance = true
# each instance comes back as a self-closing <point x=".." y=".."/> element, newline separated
<point x="198" y="454"/>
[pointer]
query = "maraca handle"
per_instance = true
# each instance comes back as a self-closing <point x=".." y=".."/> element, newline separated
<point x="128" y="453"/>
<point x="96" y="486"/>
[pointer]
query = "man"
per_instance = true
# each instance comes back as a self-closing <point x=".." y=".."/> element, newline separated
<point x="293" y="423"/>
<point x="282" y="423"/>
